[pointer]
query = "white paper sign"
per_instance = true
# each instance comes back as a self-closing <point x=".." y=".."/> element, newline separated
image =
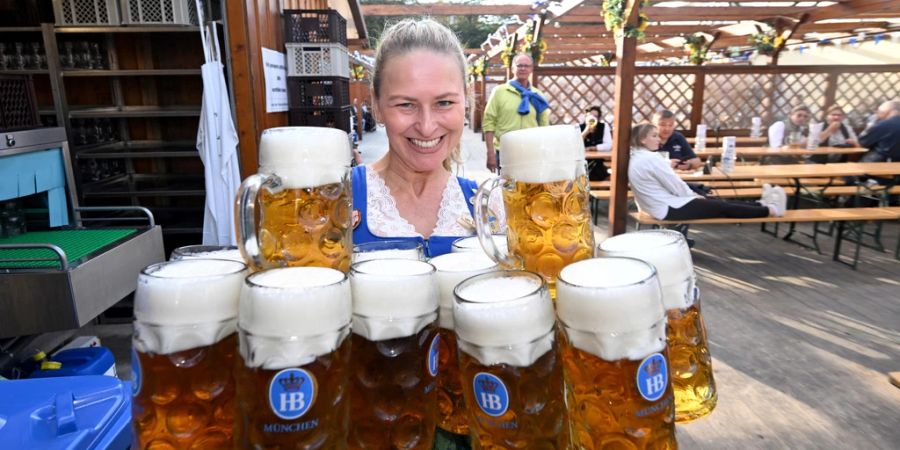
<point x="700" y="142"/>
<point x="275" y="70"/>
<point x="815" y="131"/>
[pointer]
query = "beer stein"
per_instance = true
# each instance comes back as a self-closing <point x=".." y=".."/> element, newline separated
<point x="185" y="315"/>
<point x="545" y="196"/>
<point x="294" y="362"/>
<point x="471" y="244"/>
<point x="207" y="252"/>
<point x="615" y="356"/>
<point x="297" y="210"/>
<point x="509" y="362"/>
<point x="396" y="356"/>
<point x="451" y="269"/>
<point x="388" y="249"/>
<point x="690" y="361"/>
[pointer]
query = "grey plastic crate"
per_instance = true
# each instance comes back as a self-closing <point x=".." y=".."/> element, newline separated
<point x="317" y="60"/>
<point x="159" y="12"/>
<point x="86" y="12"/>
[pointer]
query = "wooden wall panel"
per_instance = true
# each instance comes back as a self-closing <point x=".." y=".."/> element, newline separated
<point x="252" y="25"/>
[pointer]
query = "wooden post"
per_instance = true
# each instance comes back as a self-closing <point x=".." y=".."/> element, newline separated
<point x="697" y="100"/>
<point x="626" y="51"/>
<point x="779" y="31"/>
<point x="830" y="90"/>
<point x="536" y="47"/>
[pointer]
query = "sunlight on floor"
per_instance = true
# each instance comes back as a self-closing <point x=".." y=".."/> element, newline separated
<point x="801" y="281"/>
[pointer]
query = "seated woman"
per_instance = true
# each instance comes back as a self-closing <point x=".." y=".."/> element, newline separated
<point x="419" y="94"/>
<point x="837" y="133"/>
<point x="659" y="192"/>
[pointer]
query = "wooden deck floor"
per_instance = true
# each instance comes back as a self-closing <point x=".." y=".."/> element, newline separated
<point x="801" y="345"/>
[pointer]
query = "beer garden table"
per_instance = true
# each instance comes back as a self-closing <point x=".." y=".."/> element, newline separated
<point x="755" y="151"/>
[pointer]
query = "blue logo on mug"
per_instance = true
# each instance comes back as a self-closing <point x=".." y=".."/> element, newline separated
<point x="135" y="373"/>
<point x="653" y="377"/>
<point x="292" y="393"/>
<point x="433" y="356"/>
<point x="490" y="394"/>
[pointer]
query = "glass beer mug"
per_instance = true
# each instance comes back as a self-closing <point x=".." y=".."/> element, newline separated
<point x="543" y="176"/>
<point x="297" y="210"/>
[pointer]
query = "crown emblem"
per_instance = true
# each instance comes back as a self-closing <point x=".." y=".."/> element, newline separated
<point x="487" y="385"/>
<point x="291" y="383"/>
<point x="654" y="367"/>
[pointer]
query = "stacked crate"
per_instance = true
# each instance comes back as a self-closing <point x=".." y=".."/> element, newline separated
<point x="318" y="68"/>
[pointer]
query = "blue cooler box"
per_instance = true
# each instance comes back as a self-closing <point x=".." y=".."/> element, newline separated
<point x="87" y="412"/>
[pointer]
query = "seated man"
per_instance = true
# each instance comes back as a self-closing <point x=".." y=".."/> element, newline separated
<point x="681" y="155"/>
<point x="883" y="138"/>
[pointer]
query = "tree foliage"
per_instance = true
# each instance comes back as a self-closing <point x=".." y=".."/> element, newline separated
<point x="472" y="30"/>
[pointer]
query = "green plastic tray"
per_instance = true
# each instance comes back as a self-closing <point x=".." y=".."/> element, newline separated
<point x="76" y="243"/>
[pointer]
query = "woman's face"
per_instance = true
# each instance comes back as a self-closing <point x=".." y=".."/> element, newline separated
<point x="422" y="106"/>
<point x="835" y="116"/>
<point x="800" y="117"/>
<point x="651" y="142"/>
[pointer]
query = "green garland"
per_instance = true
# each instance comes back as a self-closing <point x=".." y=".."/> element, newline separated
<point x="696" y="44"/>
<point x="614" y="19"/>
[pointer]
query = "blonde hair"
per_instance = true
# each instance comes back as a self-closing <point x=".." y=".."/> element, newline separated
<point x="419" y="34"/>
<point x="639" y="133"/>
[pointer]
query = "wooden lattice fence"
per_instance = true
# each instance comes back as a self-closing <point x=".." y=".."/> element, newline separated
<point x="723" y="97"/>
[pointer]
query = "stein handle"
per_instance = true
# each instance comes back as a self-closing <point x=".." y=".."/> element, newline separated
<point x="245" y="205"/>
<point x="483" y="225"/>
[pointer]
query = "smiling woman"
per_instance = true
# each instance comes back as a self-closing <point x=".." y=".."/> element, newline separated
<point x="419" y="95"/>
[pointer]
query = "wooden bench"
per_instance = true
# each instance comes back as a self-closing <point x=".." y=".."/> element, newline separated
<point x="756" y="192"/>
<point x="854" y="216"/>
<point x="748" y="183"/>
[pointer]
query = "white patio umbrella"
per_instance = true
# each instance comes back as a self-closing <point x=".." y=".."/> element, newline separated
<point x="217" y="143"/>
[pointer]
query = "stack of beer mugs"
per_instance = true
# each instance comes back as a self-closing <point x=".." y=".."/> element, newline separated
<point x="311" y="351"/>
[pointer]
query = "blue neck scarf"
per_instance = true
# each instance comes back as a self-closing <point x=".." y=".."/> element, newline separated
<point x="529" y="96"/>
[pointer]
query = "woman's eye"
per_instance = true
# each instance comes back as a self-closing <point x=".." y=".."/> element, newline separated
<point x="445" y="103"/>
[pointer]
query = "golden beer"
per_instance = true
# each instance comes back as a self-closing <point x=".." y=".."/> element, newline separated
<point x="296" y="211"/>
<point x="307" y="227"/>
<point x="294" y="361"/>
<point x="692" y="374"/>
<point x="509" y="362"/>
<point x="546" y="200"/>
<point x="691" y="364"/>
<point x="323" y="426"/>
<point x="450" y="402"/>
<point x="549" y="225"/>
<point x="184" y="352"/>
<point x="393" y="381"/>
<point x="393" y="400"/>
<point x="615" y="356"/>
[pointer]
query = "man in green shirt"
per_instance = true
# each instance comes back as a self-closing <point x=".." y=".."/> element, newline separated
<point x="513" y="105"/>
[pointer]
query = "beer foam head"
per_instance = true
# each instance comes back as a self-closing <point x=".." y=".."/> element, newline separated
<point x="668" y="252"/>
<point x="542" y="154"/>
<point x="392" y="298"/>
<point x="451" y="269"/>
<point x="309" y="305"/>
<point x="185" y="304"/>
<point x="472" y="244"/>
<point x="504" y="317"/>
<point x="304" y="157"/>
<point x="611" y="307"/>
<point x="389" y="249"/>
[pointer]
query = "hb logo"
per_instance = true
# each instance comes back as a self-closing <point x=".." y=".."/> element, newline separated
<point x="653" y="377"/>
<point x="433" y="354"/>
<point x="135" y="373"/>
<point x="490" y="394"/>
<point x="292" y="393"/>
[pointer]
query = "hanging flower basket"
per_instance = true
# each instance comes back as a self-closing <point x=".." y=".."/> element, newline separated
<point x="614" y="19"/>
<point x="766" y="43"/>
<point x="696" y="44"/>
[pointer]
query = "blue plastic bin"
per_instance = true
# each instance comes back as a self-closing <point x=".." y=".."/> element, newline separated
<point x="80" y="361"/>
<point x="72" y="413"/>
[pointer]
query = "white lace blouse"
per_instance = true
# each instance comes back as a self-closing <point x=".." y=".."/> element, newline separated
<point x="384" y="220"/>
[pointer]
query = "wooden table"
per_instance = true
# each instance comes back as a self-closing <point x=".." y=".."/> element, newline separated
<point x="744" y="152"/>
<point x="797" y="171"/>
<point x="740" y="141"/>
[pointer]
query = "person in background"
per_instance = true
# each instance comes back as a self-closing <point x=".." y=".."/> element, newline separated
<point x="883" y="138"/>
<point x="597" y="137"/>
<point x="681" y="155"/>
<point x="837" y="133"/>
<point x="790" y="132"/>
<point x="660" y="193"/>
<point x="595" y="132"/>
<point x="514" y="105"/>
<point x="419" y="94"/>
